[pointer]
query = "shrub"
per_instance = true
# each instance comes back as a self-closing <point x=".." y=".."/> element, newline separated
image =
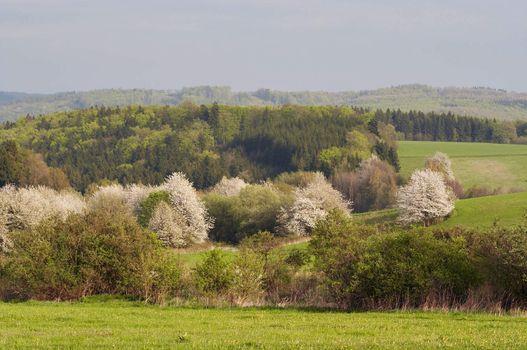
<point x="407" y="266"/>
<point x="149" y="205"/>
<point x="278" y="265"/>
<point x="214" y="274"/>
<point x="501" y="255"/>
<point x="25" y="208"/>
<point x="111" y="198"/>
<point x="364" y="268"/>
<point x="248" y="277"/>
<point x="338" y="245"/>
<point x="136" y="195"/>
<point x="96" y="253"/>
<point x="296" y="179"/>
<point x="254" y="209"/>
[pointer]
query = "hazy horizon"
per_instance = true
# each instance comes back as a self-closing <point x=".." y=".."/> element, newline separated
<point x="49" y="46"/>
<point x="263" y="87"/>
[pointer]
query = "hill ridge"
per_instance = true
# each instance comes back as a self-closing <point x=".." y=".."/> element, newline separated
<point x="482" y="102"/>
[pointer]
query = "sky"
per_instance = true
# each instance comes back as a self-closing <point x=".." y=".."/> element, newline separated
<point x="335" y="45"/>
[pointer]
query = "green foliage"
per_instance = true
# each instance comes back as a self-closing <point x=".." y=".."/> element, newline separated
<point x="11" y="163"/>
<point x="145" y="144"/>
<point x="365" y="268"/>
<point x="147" y="207"/>
<point x="96" y="253"/>
<point x="409" y="266"/>
<point x="248" y="276"/>
<point x="214" y="274"/>
<point x="501" y="254"/>
<point x="254" y="209"/>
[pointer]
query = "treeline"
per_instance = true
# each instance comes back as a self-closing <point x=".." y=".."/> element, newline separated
<point x="419" y="126"/>
<point x="145" y="144"/>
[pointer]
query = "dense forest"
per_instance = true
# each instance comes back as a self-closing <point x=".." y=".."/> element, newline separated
<point x="145" y="144"/>
<point x="477" y="101"/>
<point x="420" y="126"/>
<point x="140" y="144"/>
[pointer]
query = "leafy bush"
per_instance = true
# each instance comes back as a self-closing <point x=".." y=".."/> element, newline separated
<point x="254" y="209"/>
<point x="148" y="206"/>
<point x="96" y="253"/>
<point x="363" y="267"/>
<point x="406" y="266"/>
<point x="501" y="255"/>
<point x="214" y="274"/>
<point x="248" y="277"/>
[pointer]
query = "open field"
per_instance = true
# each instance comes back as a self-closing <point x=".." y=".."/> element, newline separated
<point x="506" y="209"/>
<point x="482" y="164"/>
<point x="128" y="325"/>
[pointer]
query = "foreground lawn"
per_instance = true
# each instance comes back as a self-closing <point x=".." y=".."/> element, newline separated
<point x="482" y="164"/>
<point x="128" y="325"/>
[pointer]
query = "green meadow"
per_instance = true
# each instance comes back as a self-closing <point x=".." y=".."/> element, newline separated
<point x="474" y="164"/>
<point x="506" y="209"/>
<point x="133" y="325"/>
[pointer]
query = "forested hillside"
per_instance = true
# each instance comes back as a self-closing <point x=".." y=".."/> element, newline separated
<point x="145" y="144"/>
<point x="478" y="102"/>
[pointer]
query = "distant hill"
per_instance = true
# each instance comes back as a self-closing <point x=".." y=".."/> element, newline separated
<point x="478" y="101"/>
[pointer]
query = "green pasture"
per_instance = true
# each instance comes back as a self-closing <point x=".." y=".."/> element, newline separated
<point x="474" y="164"/>
<point x="132" y="325"/>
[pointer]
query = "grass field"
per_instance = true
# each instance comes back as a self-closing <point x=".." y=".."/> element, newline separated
<point x="482" y="164"/>
<point x="127" y="325"/>
<point x="506" y="209"/>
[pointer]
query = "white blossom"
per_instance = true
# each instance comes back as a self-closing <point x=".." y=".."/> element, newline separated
<point x="424" y="199"/>
<point x="229" y="186"/>
<point x="168" y="225"/>
<point x="311" y="204"/>
<point x="25" y="208"/>
<point x="108" y="198"/>
<point x="136" y="194"/>
<point x="188" y="205"/>
<point x="440" y="163"/>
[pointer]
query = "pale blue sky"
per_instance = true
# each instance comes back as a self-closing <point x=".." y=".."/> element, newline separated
<point x="59" y="45"/>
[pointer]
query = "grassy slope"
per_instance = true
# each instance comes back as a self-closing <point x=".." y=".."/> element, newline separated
<point x="507" y="209"/>
<point x="483" y="164"/>
<point x="133" y="325"/>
